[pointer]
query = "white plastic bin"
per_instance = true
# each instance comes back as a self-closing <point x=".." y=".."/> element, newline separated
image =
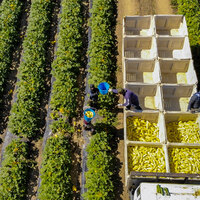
<point x="177" y="71"/>
<point x="173" y="25"/>
<point x="182" y="128"/>
<point x="176" y="98"/>
<point x="146" y="162"/>
<point x="149" y="96"/>
<point x="173" y="47"/>
<point x="142" y="71"/>
<point x="138" y="25"/>
<point x="148" y="117"/>
<point x="184" y="158"/>
<point x="139" y="47"/>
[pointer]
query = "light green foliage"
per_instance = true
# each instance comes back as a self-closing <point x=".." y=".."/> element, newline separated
<point x="102" y="45"/>
<point x="99" y="163"/>
<point x="191" y="10"/>
<point x="68" y="61"/>
<point x="102" y="69"/>
<point x="13" y="174"/>
<point x="24" y="117"/>
<point x="9" y="17"/>
<point x="55" y="171"/>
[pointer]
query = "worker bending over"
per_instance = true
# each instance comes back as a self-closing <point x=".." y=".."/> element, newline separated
<point x="194" y="103"/>
<point x="94" y="93"/>
<point x="131" y="99"/>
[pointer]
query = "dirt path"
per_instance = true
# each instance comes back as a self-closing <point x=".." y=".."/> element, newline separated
<point x="132" y="7"/>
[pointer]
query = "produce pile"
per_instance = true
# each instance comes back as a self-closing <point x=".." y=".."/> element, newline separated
<point x="184" y="160"/>
<point x="183" y="132"/>
<point x="142" y="130"/>
<point x="89" y="114"/>
<point x="146" y="159"/>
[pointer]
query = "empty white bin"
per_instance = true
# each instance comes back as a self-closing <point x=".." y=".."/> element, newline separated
<point x="177" y="71"/>
<point x="138" y="25"/>
<point x="141" y="71"/>
<point x="176" y="98"/>
<point x="139" y="47"/>
<point x="173" y="25"/>
<point x="173" y="47"/>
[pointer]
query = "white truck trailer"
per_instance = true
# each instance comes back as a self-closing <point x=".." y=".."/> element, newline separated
<point x="164" y="186"/>
<point x="164" y="191"/>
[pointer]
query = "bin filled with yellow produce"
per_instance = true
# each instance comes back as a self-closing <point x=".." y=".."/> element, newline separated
<point x="146" y="159"/>
<point x="145" y="127"/>
<point x="183" y="132"/>
<point x="182" y="128"/>
<point x="184" y="159"/>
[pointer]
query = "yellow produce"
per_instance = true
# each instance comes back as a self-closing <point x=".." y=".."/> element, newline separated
<point x="142" y="130"/>
<point x="184" y="160"/>
<point x="146" y="159"/>
<point x="183" y="132"/>
<point x="89" y="114"/>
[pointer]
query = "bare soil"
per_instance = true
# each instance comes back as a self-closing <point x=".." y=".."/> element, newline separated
<point x="130" y="8"/>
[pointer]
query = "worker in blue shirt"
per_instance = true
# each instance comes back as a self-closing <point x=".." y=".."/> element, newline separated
<point x="194" y="103"/>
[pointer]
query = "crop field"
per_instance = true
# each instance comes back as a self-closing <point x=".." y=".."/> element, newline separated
<point x="50" y="53"/>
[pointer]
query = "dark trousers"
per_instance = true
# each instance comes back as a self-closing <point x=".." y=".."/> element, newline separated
<point x="135" y="104"/>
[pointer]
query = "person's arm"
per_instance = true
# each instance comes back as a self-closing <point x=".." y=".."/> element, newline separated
<point x="113" y="90"/>
<point x="128" y="100"/>
<point x="191" y="102"/>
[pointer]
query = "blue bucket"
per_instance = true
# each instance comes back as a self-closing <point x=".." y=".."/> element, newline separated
<point x="88" y="119"/>
<point x="103" y="88"/>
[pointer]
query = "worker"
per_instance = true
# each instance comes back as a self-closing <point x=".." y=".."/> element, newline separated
<point x="131" y="99"/>
<point x="194" y="103"/>
<point x="87" y="125"/>
<point x="94" y="92"/>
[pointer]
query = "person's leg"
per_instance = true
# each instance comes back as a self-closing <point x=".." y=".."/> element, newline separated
<point x="136" y="105"/>
<point x="128" y="107"/>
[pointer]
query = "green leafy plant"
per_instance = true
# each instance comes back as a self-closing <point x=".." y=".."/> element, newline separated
<point x="99" y="163"/>
<point x="55" y="172"/>
<point x="102" y="69"/>
<point x="56" y="181"/>
<point x="14" y="170"/>
<point x="24" y="119"/>
<point x="67" y="64"/>
<point x="191" y="10"/>
<point x="9" y="15"/>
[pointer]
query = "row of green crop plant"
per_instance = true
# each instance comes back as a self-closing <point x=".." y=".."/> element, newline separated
<point x="25" y="111"/>
<point x="24" y="119"/>
<point x="10" y="11"/>
<point x="14" y="171"/>
<point x="56" y="181"/>
<point x="102" y="52"/>
<point x="191" y="10"/>
<point x="99" y="163"/>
